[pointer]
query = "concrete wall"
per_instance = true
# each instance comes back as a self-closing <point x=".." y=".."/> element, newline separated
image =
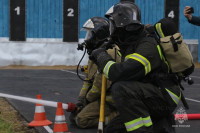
<point x="39" y="52"/>
<point x="193" y="46"/>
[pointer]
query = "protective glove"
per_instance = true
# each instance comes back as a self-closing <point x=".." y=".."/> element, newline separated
<point x="100" y="57"/>
<point x="96" y="53"/>
<point x="81" y="103"/>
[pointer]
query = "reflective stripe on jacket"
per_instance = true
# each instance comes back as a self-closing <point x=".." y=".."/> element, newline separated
<point x="138" y="63"/>
<point x="174" y="97"/>
<point x="85" y="88"/>
<point x="137" y="123"/>
<point x="159" y="30"/>
<point x="95" y="92"/>
<point x="107" y="68"/>
<point x="144" y="61"/>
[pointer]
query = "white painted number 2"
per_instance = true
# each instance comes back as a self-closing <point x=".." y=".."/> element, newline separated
<point x="171" y="14"/>
<point x="70" y="12"/>
<point x="17" y="9"/>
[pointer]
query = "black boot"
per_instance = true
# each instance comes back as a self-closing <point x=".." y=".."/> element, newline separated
<point x="72" y="117"/>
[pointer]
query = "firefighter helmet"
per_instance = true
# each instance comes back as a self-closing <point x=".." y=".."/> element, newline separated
<point x="123" y="14"/>
<point x="97" y="31"/>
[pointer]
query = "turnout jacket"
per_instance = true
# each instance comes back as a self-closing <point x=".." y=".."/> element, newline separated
<point x="141" y="61"/>
<point x="92" y="90"/>
<point x="195" y="20"/>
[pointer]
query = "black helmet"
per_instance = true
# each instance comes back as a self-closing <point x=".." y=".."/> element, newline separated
<point x="123" y="14"/>
<point x="97" y="32"/>
<point x="98" y="27"/>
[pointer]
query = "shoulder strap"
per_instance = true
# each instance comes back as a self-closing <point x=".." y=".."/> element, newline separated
<point x="175" y="43"/>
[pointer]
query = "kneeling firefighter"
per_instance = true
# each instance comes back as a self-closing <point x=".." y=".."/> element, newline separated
<point x="88" y="105"/>
<point x="141" y="84"/>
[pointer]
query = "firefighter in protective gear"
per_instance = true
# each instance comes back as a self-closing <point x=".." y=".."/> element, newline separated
<point x="88" y="101"/>
<point x="142" y="87"/>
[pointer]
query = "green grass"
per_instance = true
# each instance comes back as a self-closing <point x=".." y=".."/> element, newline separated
<point x="11" y="121"/>
<point x="5" y="127"/>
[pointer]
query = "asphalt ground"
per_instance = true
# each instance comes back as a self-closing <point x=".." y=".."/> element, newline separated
<point x="64" y="85"/>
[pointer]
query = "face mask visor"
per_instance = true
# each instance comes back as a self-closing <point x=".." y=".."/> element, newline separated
<point x="89" y="35"/>
<point x="111" y="27"/>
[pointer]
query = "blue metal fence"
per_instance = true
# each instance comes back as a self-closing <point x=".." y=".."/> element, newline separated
<point x="188" y="30"/>
<point x="91" y="8"/>
<point x="151" y="11"/>
<point x="44" y="19"/>
<point x="4" y="18"/>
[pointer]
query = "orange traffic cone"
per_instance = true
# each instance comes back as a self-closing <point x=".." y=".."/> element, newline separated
<point x="60" y="124"/>
<point x="40" y="116"/>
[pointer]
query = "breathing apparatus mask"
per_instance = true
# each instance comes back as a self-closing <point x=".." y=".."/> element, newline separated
<point x="122" y="34"/>
<point x="97" y="29"/>
<point x="91" y="42"/>
<point x="97" y="32"/>
<point x="125" y="20"/>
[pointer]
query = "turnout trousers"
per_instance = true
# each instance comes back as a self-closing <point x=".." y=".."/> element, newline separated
<point x="89" y="115"/>
<point x="140" y="105"/>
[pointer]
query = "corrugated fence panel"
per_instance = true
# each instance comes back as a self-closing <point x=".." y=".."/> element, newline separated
<point x="4" y="18"/>
<point x="91" y="8"/>
<point x="151" y="10"/>
<point x="44" y="19"/>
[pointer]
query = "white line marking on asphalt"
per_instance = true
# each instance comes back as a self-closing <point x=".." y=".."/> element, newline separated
<point x="192" y="100"/>
<point x="72" y="72"/>
<point x="195" y="77"/>
<point x="32" y="77"/>
<point x="192" y="84"/>
<point x="195" y="84"/>
<point x="185" y="98"/>
<point x="48" y="129"/>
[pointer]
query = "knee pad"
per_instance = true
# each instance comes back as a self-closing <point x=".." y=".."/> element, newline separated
<point x="81" y="123"/>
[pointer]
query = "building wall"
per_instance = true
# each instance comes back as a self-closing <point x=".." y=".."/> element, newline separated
<point x="44" y="19"/>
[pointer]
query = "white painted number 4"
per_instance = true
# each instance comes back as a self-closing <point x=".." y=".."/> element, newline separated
<point x="171" y="14"/>
<point x="70" y="12"/>
<point x="17" y="9"/>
